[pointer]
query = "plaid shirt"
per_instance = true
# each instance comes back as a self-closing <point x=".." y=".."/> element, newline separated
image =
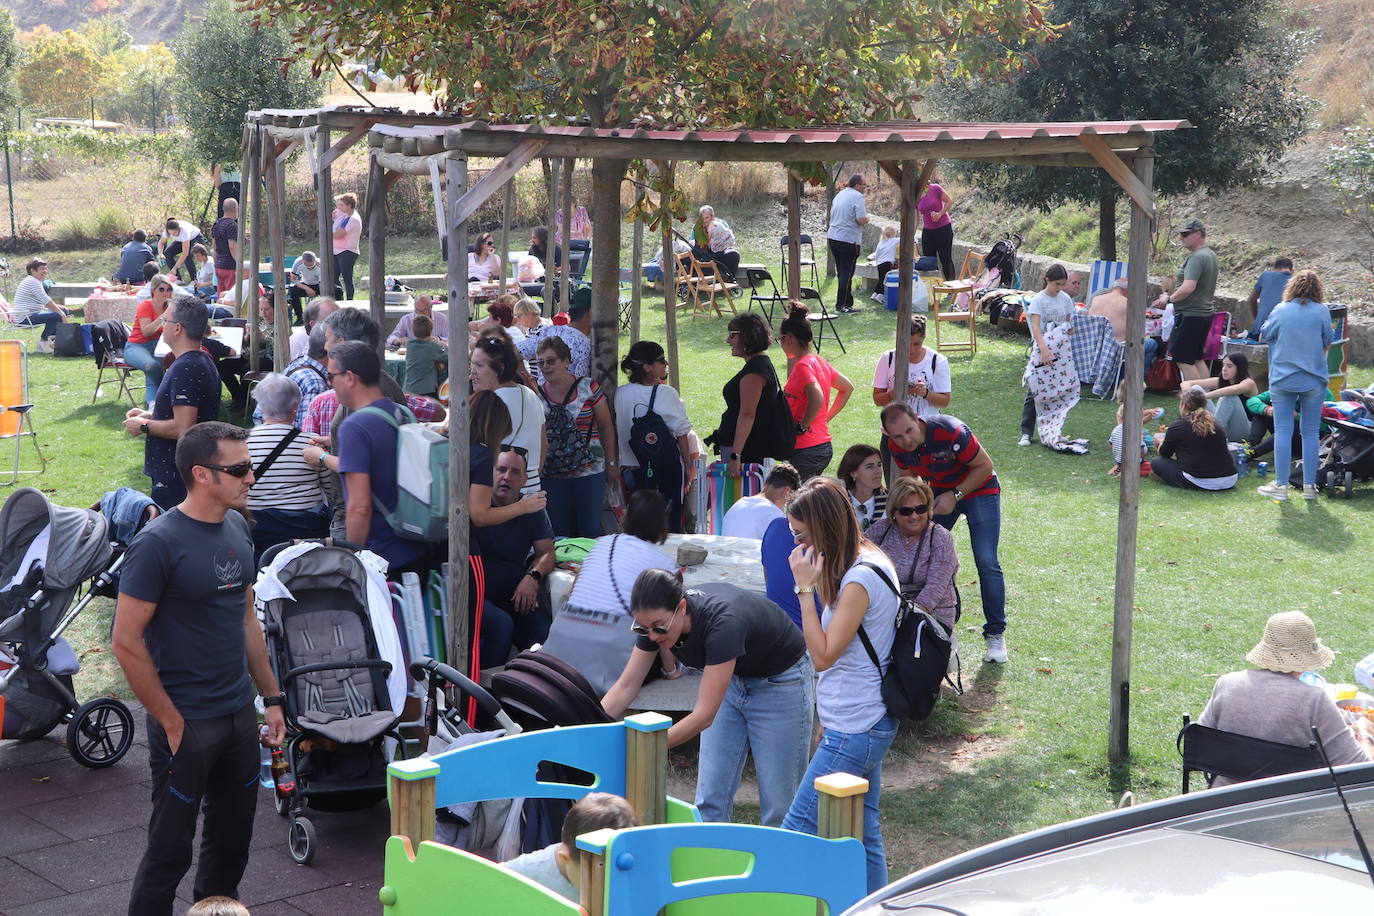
<point x="1090" y="334"/>
<point x="326" y="404"/>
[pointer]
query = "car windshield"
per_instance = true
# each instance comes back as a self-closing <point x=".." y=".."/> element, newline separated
<point x="1315" y="827"/>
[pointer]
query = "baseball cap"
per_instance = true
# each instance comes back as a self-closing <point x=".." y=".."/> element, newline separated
<point x="581" y="300"/>
<point x="1193" y="225"/>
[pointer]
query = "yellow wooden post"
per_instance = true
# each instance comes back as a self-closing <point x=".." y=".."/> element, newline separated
<point x="591" y="870"/>
<point x="841" y="809"/>
<point x="410" y="789"/>
<point x="646" y="766"/>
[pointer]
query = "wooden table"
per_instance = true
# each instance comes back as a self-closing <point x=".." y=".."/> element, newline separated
<point x="99" y="308"/>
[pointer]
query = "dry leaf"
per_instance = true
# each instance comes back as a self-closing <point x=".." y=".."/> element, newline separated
<point x="42" y="778"/>
<point x="1045" y="670"/>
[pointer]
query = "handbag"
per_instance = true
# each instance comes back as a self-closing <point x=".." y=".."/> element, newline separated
<point x="1163" y="376"/>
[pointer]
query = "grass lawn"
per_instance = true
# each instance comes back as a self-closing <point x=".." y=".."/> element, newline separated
<point x="1026" y="745"/>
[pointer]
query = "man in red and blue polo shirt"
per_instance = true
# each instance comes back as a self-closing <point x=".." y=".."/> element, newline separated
<point x="944" y="452"/>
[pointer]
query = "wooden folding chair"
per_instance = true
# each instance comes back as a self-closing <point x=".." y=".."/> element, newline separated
<point x="973" y="266"/>
<point x="706" y="278"/>
<point x="16" y="420"/>
<point x="945" y="293"/>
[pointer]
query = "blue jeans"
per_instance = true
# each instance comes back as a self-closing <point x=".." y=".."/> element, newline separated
<point x="49" y="321"/>
<point x="984" y="514"/>
<point x="575" y="504"/>
<point x="140" y="356"/>
<point x="1309" y="404"/>
<point x="858" y="755"/>
<point x="770" y="716"/>
<point x="1151" y="350"/>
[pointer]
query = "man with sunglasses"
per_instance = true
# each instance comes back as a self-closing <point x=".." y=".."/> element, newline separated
<point x="189" y="394"/>
<point x="945" y="453"/>
<point x="189" y="642"/>
<point x="1192" y="301"/>
<point x="518" y="556"/>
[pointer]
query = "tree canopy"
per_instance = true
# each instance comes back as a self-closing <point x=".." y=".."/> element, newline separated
<point x="1227" y="66"/>
<point x="61" y="72"/>
<point x="227" y="66"/>
<point x="1350" y="169"/>
<point x="9" y="62"/>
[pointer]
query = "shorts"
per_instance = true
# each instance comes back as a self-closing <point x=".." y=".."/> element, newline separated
<point x="1190" y="338"/>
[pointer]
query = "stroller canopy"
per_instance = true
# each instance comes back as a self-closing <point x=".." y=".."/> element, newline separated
<point x="78" y="546"/>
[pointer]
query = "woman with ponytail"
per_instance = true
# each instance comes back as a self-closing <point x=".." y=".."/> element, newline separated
<point x="810" y="380"/>
<point x="647" y="393"/>
<point x="1193" y="454"/>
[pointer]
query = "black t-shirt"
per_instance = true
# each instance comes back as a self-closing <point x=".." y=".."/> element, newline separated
<point x="505" y="553"/>
<point x="197" y="573"/>
<point x="756" y="447"/>
<point x="729" y="622"/>
<point x="193" y="381"/>
<point x="480" y="473"/>
<point x="1201" y="456"/>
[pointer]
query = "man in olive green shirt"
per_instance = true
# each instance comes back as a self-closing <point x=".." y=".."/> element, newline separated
<point x="1192" y="301"/>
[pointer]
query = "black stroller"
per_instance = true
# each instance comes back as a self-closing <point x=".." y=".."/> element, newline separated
<point x="46" y="553"/>
<point x="339" y="708"/>
<point x="1348" y="456"/>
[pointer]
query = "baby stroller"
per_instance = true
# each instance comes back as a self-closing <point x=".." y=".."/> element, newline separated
<point x="1002" y="258"/>
<point x="46" y="553"/>
<point x="1348" y="456"/>
<point x="336" y="654"/>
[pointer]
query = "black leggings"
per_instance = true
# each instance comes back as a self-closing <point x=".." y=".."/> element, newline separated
<point x="880" y="284"/>
<point x="1262" y="440"/>
<point x="940" y="243"/>
<point x="343" y="271"/>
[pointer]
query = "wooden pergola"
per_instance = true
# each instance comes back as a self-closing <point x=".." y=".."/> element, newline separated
<point x="438" y="146"/>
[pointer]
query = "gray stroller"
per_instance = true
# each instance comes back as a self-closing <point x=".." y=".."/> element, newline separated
<point x="46" y="553"/>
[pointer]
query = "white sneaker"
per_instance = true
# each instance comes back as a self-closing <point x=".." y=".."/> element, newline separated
<point x="1275" y="491"/>
<point x="1309" y="491"/>
<point x="1024" y="440"/>
<point x="43" y="346"/>
<point x="996" y="650"/>
<point x="879" y="297"/>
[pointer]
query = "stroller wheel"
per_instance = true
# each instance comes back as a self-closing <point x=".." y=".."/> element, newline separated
<point x="283" y="804"/>
<point x="100" y="733"/>
<point x="1349" y="484"/>
<point x="301" y="841"/>
<point x="1331" y="483"/>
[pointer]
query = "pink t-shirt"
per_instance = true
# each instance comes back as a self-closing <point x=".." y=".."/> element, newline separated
<point x="352" y="225"/>
<point x="928" y="204"/>
<point x="810" y="368"/>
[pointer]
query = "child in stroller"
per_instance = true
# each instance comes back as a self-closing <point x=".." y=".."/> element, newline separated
<point x="47" y="553"/>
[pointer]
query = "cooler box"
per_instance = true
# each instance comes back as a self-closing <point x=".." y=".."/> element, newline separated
<point x="920" y="298"/>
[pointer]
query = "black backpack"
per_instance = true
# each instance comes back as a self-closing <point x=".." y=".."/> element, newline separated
<point x="920" y="662"/>
<point x="655" y="447"/>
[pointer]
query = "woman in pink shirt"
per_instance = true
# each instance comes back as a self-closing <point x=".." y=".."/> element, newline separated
<point x="810" y="380"/>
<point x="348" y="232"/>
<point x="937" y="232"/>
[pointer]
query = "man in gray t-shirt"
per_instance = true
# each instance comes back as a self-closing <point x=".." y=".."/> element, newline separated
<point x="847" y="219"/>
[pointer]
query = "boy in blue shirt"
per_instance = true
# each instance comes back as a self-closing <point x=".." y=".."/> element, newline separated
<point x="1268" y="292"/>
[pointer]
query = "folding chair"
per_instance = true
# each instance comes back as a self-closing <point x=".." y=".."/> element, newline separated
<point x="16" y="420"/>
<point x="972" y="268"/>
<point x="1214" y="753"/>
<point x="113" y="360"/>
<point x="1102" y="275"/>
<point x="941" y="292"/>
<point x="760" y="296"/>
<point x="705" y="277"/>
<point x="579" y="256"/>
<point x="822" y="318"/>
<point x="627" y="281"/>
<point x="807" y="260"/>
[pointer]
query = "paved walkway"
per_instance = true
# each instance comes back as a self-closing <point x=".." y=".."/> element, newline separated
<point x="71" y="839"/>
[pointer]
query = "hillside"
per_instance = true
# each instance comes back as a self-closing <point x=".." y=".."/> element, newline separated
<point x="145" y="20"/>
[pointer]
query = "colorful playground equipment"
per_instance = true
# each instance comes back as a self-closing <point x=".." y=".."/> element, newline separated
<point x="673" y="863"/>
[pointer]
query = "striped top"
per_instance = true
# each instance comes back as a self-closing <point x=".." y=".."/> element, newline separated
<point x="29" y="297"/>
<point x="289" y="484"/>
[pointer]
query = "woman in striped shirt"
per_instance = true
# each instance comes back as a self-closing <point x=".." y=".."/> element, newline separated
<point x="861" y="472"/>
<point x="286" y="499"/>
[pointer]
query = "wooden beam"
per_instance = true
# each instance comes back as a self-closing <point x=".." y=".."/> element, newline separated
<point x="283" y="147"/>
<point x="550" y="278"/>
<point x="793" y="237"/>
<point x="1121" y="173"/>
<point x="906" y="277"/>
<point x="245" y="180"/>
<point x="496" y="179"/>
<point x="637" y="256"/>
<point x="344" y="143"/>
<point x="276" y="234"/>
<point x="893" y="170"/>
<point x="458" y="637"/>
<point x="646" y="766"/>
<point x="670" y="289"/>
<point x="376" y="248"/>
<point x="291" y="134"/>
<point x="507" y="213"/>
<point x="324" y="211"/>
<point x="436" y="188"/>
<point x="249" y="286"/>
<point x="1128" y="505"/>
<point x="405" y="165"/>
<point x="391" y="178"/>
<point x="564" y="281"/>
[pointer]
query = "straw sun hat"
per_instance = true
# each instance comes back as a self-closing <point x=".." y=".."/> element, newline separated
<point x="1290" y="643"/>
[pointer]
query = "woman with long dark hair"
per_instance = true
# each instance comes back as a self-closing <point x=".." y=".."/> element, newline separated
<point x="740" y="438"/>
<point x="1229" y="391"/>
<point x="844" y="583"/>
<point x="483" y="261"/>
<point x="495" y="366"/>
<point x="647" y="393"/>
<point x="861" y="472"/>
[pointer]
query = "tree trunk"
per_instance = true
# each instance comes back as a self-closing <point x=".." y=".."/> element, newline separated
<point x="1106" y="220"/>
<point x="605" y="273"/>
<point x="831" y="189"/>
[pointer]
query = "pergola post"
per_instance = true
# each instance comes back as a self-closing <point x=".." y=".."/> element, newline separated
<point x="376" y="245"/>
<point x="670" y="287"/>
<point x="249" y="285"/>
<point x="276" y="235"/>
<point x="245" y="174"/>
<point x="636" y="256"/>
<point x="324" y="213"/>
<point x="1128" y="507"/>
<point x="550" y="277"/>
<point x="507" y="209"/>
<point x="569" y="166"/>
<point x="456" y="166"/>
<point x="793" y="236"/>
<point x="906" y="277"/>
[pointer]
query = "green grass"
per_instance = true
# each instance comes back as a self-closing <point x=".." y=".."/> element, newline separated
<point x="1211" y="568"/>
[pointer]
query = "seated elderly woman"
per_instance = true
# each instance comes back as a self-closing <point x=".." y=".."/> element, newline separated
<point x="286" y="498"/>
<point x="1273" y="704"/>
<point x="922" y="553"/>
<point x="715" y="241"/>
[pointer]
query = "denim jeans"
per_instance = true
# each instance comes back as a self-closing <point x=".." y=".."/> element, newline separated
<point x="1309" y="403"/>
<point x="575" y="504"/>
<point x="859" y="755"/>
<point x="984" y="514"/>
<point x="140" y="356"/>
<point x="770" y="716"/>
<point x="846" y="256"/>
<point x="49" y="321"/>
<point x="1151" y="351"/>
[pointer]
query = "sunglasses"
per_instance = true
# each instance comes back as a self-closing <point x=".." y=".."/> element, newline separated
<point x="732" y="333"/>
<point x="233" y="470"/>
<point x="163" y="289"/>
<point x="908" y="511"/>
<point x="656" y="629"/>
<point x="333" y="375"/>
<point x="1186" y="232"/>
<point x="519" y="450"/>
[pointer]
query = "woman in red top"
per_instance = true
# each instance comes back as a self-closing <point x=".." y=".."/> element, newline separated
<point x="146" y="332"/>
<point x="810" y="380"/>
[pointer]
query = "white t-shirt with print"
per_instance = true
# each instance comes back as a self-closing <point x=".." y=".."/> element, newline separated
<point x="933" y="369"/>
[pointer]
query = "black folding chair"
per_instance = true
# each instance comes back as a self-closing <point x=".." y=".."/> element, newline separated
<point x="823" y="318"/>
<point x="761" y="295"/>
<point x="1214" y="753"/>
<point x="804" y="260"/>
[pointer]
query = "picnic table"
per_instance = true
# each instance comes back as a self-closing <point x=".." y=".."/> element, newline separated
<point x="117" y="305"/>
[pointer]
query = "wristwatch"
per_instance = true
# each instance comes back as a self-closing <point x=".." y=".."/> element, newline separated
<point x="803" y="589"/>
<point x="321" y="460"/>
<point x="958" y="494"/>
<point x="143" y="428"/>
<point x="278" y="700"/>
<point x="535" y="574"/>
<point x="732" y="456"/>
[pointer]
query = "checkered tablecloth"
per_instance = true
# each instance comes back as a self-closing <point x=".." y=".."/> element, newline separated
<point x="1090" y="333"/>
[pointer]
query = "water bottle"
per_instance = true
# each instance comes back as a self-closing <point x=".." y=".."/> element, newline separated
<point x="1312" y="679"/>
<point x="1242" y="468"/>
<point x="265" y="764"/>
<point x="1264" y="469"/>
